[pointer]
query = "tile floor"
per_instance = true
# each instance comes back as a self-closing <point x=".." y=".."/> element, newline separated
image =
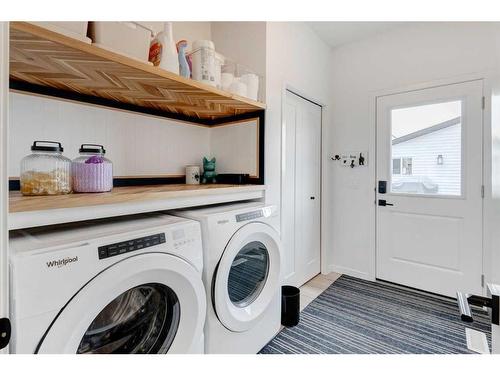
<point x="314" y="287"/>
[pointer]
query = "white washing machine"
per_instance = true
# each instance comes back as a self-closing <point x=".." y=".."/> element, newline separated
<point x="121" y="285"/>
<point x="241" y="274"/>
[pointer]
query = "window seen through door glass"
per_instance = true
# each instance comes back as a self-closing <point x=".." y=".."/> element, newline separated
<point x="427" y="149"/>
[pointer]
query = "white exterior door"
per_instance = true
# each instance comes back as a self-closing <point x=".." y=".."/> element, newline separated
<point x="4" y="82"/>
<point x="429" y="162"/>
<point x="301" y="201"/>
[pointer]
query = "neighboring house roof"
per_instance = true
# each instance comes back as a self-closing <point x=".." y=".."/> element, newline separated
<point x="430" y="129"/>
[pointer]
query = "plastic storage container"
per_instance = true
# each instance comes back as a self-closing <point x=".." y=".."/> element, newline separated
<point x="251" y="80"/>
<point x="46" y="171"/>
<point x="203" y="62"/>
<point x="128" y="38"/>
<point x="219" y="61"/>
<point x="228" y="73"/>
<point x="77" y="30"/>
<point x="92" y="172"/>
<point x="290" y="305"/>
<point x="240" y="80"/>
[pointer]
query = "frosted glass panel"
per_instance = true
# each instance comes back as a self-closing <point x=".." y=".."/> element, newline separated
<point x="427" y="149"/>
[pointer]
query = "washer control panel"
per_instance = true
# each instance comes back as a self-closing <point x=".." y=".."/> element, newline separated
<point x="123" y="247"/>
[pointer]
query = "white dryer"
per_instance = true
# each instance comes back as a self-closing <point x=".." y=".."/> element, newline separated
<point x="241" y="273"/>
<point x="121" y="285"/>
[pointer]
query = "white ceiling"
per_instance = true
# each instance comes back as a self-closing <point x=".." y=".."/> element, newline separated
<point x="338" y="33"/>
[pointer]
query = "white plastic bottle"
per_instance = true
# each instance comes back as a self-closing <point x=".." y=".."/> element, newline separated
<point x="169" y="59"/>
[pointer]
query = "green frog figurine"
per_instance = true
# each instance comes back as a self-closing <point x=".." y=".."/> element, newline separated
<point x="209" y="174"/>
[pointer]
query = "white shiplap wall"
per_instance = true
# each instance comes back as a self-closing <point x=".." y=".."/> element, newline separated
<point x="235" y="139"/>
<point x="424" y="151"/>
<point x="138" y="145"/>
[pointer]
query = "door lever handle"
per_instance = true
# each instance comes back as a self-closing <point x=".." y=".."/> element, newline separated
<point x="383" y="202"/>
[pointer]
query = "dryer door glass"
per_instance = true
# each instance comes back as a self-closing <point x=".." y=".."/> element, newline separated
<point x="248" y="273"/>
<point x="143" y="319"/>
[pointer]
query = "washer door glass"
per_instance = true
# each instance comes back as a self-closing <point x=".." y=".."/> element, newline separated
<point x="144" y="319"/>
<point x="248" y="273"/>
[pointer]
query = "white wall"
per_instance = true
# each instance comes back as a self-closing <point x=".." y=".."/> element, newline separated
<point x="235" y="147"/>
<point x="243" y="42"/>
<point x="296" y="57"/>
<point x="394" y="60"/>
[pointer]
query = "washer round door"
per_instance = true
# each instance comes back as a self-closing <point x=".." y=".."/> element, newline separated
<point x="247" y="277"/>
<point x="149" y="303"/>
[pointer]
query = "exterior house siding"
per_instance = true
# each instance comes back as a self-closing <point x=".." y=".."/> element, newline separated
<point x="424" y="151"/>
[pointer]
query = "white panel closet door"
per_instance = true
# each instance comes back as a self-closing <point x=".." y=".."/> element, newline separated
<point x="301" y="206"/>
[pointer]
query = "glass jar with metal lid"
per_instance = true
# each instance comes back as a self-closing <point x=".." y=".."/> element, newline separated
<point x="46" y="171"/>
<point x="92" y="172"/>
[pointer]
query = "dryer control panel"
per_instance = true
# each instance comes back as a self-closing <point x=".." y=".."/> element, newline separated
<point x="123" y="247"/>
<point x="256" y="214"/>
<point x="249" y="216"/>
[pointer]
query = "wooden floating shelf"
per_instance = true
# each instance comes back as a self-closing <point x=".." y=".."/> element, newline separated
<point x="26" y="212"/>
<point x="49" y="63"/>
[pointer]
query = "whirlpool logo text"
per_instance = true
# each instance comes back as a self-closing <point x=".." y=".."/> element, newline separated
<point x="61" y="262"/>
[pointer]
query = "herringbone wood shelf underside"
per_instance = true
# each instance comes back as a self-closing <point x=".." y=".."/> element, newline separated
<point x="44" y="58"/>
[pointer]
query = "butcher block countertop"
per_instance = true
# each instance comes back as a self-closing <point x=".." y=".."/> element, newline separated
<point x="25" y="212"/>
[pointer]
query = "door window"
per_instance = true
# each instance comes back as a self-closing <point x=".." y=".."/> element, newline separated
<point x="248" y="273"/>
<point x="143" y="319"/>
<point x="427" y="149"/>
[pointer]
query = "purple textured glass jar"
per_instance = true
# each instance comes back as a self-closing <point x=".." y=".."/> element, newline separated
<point x="91" y="171"/>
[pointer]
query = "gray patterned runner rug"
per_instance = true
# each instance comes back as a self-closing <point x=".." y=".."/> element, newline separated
<point x="363" y="317"/>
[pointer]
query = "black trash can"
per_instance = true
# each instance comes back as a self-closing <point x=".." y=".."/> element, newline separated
<point x="290" y="305"/>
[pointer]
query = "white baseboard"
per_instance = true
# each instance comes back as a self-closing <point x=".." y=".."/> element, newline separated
<point x="349" y="271"/>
